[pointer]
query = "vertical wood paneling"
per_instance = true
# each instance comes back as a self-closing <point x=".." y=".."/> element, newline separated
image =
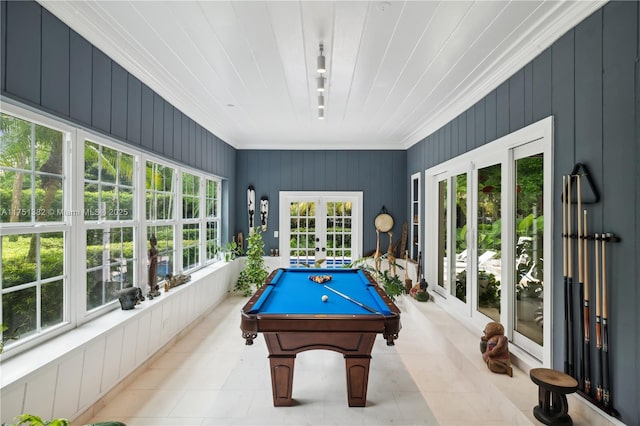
<point x="101" y="91"/>
<point x="167" y="148"/>
<point x="118" y="101"/>
<point x="199" y="143"/>
<point x="3" y="45"/>
<point x="134" y="109"/>
<point x="480" y="128"/>
<point x="183" y="151"/>
<point x="158" y="123"/>
<point x="528" y="94"/>
<point x="619" y="40"/>
<point x="542" y="85"/>
<point x="146" y="131"/>
<point x="502" y="110"/>
<point x="562" y="80"/>
<point x="471" y="128"/>
<point x="111" y="366"/>
<point x="67" y="386"/>
<point x="55" y="64"/>
<point x="491" y="115"/>
<point x="38" y="397"/>
<point x="447" y="141"/>
<point x="23" y="52"/>
<point x="516" y="101"/>
<point x="81" y="69"/>
<point x="462" y="134"/>
<point x="455" y="128"/>
<point x="191" y="159"/>
<point x="177" y="132"/>
<point x="588" y="103"/>
<point x="92" y="364"/>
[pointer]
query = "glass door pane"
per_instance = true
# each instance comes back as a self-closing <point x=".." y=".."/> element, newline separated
<point x="489" y="240"/>
<point x="339" y="220"/>
<point x="529" y="265"/>
<point x="460" y="219"/>
<point x="443" y="270"/>
<point x="302" y="226"/>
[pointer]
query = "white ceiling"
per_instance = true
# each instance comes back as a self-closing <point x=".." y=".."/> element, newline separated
<point x="397" y="71"/>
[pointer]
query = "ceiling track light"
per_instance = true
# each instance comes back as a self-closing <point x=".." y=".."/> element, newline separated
<point x="321" y="101"/>
<point x="321" y="114"/>
<point x="321" y="84"/>
<point x="322" y="68"/>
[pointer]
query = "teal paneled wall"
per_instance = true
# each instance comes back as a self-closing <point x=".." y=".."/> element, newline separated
<point x="588" y="80"/>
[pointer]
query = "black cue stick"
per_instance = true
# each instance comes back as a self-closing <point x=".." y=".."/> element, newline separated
<point x="606" y="396"/>
<point x="581" y="360"/>
<point x="569" y="301"/>
<point x="362" y="305"/>
<point x="564" y="274"/>
<point x="598" y="320"/>
<point x="587" y="338"/>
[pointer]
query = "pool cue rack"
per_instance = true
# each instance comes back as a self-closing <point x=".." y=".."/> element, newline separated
<point x="591" y="250"/>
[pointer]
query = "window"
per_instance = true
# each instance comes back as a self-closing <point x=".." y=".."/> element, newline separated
<point x="32" y="191"/>
<point x="66" y="193"/>
<point x="190" y="223"/>
<point x="110" y="230"/>
<point x="161" y="216"/>
<point x="212" y="214"/>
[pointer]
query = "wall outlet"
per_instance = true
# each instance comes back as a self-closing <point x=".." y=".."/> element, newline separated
<point x="275" y="234"/>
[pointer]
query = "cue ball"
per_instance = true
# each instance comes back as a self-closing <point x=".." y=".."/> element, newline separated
<point x="325" y="298"/>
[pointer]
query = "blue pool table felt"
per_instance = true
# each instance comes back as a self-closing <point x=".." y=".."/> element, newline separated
<point x="292" y="292"/>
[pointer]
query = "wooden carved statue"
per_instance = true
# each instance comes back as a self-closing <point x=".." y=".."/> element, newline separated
<point x="391" y="257"/>
<point x="494" y="346"/>
<point x="154" y="288"/>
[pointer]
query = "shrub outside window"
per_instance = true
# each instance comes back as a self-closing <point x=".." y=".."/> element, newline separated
<point x="108" y="205"/>
<point x="32" y="191"/>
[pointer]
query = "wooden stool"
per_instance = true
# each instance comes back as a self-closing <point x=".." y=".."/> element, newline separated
<point x="553" y="386"/>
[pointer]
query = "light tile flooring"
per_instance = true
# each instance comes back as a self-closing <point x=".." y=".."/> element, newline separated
<point x="210" y="377"/>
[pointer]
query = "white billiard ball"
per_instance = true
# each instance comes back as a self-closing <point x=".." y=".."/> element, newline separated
<point x="325" y="297"/>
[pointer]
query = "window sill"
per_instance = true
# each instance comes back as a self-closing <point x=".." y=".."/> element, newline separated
<point x="22" y="365"/>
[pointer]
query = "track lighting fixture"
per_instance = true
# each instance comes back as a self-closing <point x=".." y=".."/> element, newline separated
<point x="321" y="61"/>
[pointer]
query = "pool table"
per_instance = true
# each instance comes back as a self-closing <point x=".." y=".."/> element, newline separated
<point x="290" y="313"/>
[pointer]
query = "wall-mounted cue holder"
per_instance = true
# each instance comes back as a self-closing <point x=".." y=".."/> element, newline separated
<point x="587" y="252"/>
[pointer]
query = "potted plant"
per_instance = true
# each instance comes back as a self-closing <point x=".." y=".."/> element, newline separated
<point x="255" y="270"/>
<point x="230" y="251"/>
<point x="391" y="284"/>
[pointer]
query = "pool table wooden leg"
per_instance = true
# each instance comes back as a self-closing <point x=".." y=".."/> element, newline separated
<point x="282" y="379"/>
<point x="357" y="379"/>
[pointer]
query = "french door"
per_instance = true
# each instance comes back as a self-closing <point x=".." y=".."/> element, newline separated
<point x="322" y="229"/>
<point x="487" y="236"/>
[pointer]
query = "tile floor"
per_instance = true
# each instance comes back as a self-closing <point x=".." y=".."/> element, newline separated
<point x="210" y="377"/>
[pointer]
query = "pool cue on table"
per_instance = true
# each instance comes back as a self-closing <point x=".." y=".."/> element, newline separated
<point x="569" y="301"/>
<point x="606" y="399"/>
<point x="598" y="320"/>
<point x="581" y="351"/>
<point x="362" y="305"/>
<point x="586" y="332"/>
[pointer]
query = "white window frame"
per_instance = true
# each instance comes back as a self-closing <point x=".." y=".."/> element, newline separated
<point x="65" y="226"/>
